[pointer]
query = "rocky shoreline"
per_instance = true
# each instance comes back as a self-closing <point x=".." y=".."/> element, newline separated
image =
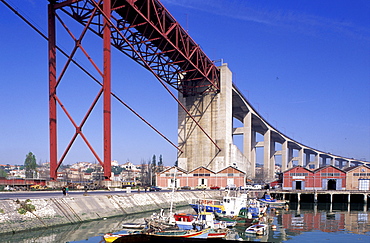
<point x="29" y="214"/>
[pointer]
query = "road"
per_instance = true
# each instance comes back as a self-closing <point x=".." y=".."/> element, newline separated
<point x="58" y="194"/>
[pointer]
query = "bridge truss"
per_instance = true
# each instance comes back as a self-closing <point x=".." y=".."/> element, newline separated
<point x="143" y="30"/>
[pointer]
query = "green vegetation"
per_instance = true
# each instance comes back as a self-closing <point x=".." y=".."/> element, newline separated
<point x="3" y="173"/>
<point x="25" y="207"/>
<point x="30" y="165"/>
<point x="117" y="169"/>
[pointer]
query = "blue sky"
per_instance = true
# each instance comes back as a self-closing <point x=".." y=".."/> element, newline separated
<point x="305" y="66"/>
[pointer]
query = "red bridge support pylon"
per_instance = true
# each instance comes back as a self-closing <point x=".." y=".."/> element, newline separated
<point x="54" y="80"/>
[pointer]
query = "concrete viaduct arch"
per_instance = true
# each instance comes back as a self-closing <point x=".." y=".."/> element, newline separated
<point x="215" y="113"/>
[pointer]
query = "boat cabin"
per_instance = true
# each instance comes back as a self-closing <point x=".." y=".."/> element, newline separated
<point x="183" y="217"/>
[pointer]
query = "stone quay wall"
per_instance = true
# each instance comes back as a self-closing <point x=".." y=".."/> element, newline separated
<point x="20" y="215"/>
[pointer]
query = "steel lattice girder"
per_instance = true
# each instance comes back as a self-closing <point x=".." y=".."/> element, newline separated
<point x="146" y="32"/>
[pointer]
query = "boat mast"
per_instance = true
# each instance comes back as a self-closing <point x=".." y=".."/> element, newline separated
<point x="173" y="189"/>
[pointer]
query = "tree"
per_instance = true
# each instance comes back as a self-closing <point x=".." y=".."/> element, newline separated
<point x="30" y="165"/>
<point x="153" y="169"/>
<point x="154" y="161"/>
<point x="160" y="163"/>
<point x="262" y="174"/>
<point x="117" y="170"/>
<point x="145" y="174"/>
<point x="89" y="170"/>
<point x="3" y="173"/>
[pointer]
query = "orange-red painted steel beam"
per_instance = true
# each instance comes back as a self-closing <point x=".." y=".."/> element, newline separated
<point x="107" y="88"/>
<point x="52" y="94"/>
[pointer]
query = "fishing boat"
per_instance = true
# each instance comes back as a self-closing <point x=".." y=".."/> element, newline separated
<point x="133" y="225"/>
<point x="256" y="208"/>
<point x="209" y="219"/>
<point x="240" y="220"/>
<point x="247" y="215"/>
<point x="163" y="239"/>
<point x="207" y="205"/>
<point x="217" y="233"/>
<point x="273" y="202"/>
<point x="110" y="237"/>
<point x="228" y="206"/>
<point x="140" y="236"/>
<point x="160" y="221"/>
<point x="203" y="234"/>
<point x="186" y="221"/>
<point x="200" y="221"/>
<point x="260" y="229"/>
<point x="233" y="204"/>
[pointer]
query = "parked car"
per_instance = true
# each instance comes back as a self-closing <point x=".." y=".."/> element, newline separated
<point x="8" y="188"/>
<point x="155" y="188"/>
<point x="185" y="188"/>
<point x="214" y="187"/>
<point x="201" y="187"/>
<point x="258" y="187"/>
<point x="251" y="187"/>
<point x="230" y="187"/>
<point x="248" y="187"/>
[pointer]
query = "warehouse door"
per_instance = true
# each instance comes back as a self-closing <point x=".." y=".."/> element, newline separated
<point x="332" y="184"/>
<point x="298" y="185"/>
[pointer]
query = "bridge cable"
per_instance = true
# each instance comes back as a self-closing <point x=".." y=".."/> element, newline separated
<point x="85" y="71"/>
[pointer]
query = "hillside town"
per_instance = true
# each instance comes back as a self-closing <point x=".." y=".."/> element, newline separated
<point x="83" y="173"/>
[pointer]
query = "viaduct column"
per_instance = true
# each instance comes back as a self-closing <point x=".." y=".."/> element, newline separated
<point x="308" y="159"/>
<point x="284" y="156"/>
<point x="249" y="144"/>
<point x="300" y="158"/>
<point x="332" y="161"/>
<point x="317" y="160"/>
<point x="269" y="150"/>
<point x="290" y="157"/>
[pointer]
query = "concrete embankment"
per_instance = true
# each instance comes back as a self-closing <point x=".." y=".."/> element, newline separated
<point x="20" y="215"/>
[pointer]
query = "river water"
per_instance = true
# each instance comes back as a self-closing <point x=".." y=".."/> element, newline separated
<point x="301" y="223"/>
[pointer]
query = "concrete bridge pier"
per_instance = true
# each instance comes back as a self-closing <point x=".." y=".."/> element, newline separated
<point x="249" y="144"/>
<point x="214" y="113"/>
<point x="317" y="160"/>
<point x="269" y="151"/>
<point x="284" y="156"/>
<point x="308" y="158"/>
<point x="301" y="156"/>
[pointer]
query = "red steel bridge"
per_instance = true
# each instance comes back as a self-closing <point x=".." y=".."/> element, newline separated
<point x="145" y="31"/>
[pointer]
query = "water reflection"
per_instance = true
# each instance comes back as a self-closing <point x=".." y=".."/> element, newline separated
<point x="91" y="232"/>
<point x="305" y="220"/>
<point x="327" y="218"/>
<point x="301" y="221"/>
